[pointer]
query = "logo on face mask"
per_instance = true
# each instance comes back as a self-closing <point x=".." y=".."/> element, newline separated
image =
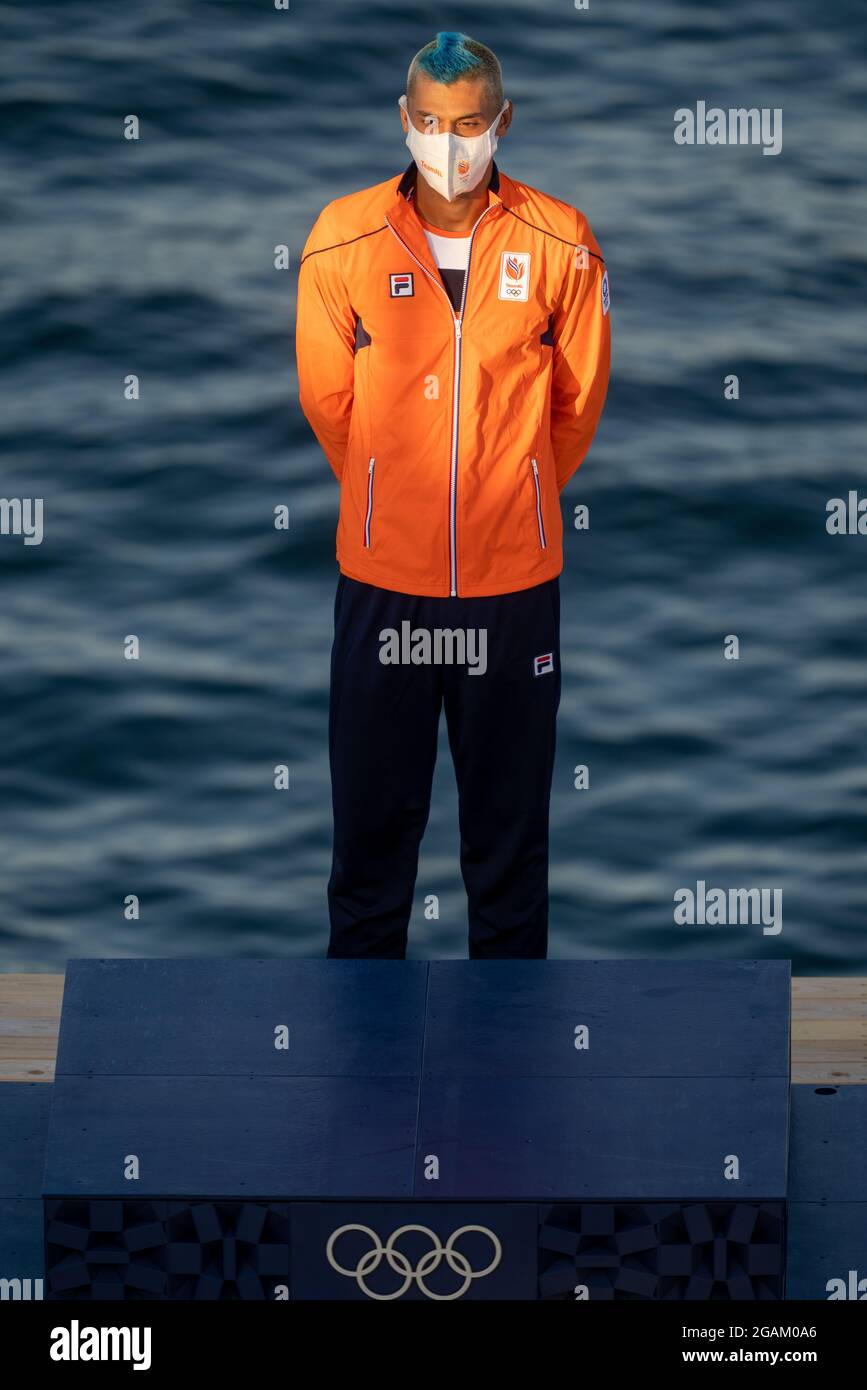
<point x="515" y="276"/>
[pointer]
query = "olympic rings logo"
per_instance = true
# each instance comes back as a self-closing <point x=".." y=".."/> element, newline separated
<point x="458" y="1263"/>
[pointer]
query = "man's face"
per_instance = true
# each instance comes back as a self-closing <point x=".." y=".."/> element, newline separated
<point x="459" y="108"/>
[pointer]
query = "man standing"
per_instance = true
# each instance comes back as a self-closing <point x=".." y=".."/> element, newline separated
<point x="453" y="345"/>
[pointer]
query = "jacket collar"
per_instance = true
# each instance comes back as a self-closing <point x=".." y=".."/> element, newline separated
<point x="403" y="221"/>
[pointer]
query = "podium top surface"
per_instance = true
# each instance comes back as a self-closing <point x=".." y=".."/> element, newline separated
<point x="505" y="1080"/>
<point x="401" y="1018"/>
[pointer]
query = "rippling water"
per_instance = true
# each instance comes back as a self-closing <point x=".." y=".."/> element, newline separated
<point x="156" y="257"/>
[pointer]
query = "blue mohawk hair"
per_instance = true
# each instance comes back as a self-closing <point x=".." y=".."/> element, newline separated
<point x="449" y="59"/>
<point x="453" y="56"/>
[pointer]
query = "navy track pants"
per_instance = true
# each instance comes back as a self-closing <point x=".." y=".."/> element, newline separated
<point x="383" y="739"/>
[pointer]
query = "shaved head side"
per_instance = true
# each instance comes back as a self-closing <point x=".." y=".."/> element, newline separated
<point x="453" y="57"/>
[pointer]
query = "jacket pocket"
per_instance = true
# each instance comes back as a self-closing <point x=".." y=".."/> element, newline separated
<point x="368" y="516"/>
<point x="538" y="496"/>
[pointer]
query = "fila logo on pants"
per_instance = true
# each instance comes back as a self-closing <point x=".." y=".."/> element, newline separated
<point x="543" y="665"/>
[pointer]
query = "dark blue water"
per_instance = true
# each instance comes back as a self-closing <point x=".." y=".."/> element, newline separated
<point x="156" y="257"/>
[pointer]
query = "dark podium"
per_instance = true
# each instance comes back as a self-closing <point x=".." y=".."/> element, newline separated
<point x="311" y="1129"/>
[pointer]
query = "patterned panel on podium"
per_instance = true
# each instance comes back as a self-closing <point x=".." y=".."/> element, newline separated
<point x="695" y="1250"/>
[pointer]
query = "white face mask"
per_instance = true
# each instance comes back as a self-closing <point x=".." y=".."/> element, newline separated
<point x="452" y="164"/>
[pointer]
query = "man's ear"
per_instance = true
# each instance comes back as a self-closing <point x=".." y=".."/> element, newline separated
<point x="404" y="119"/>
<point x="505" y="120"/>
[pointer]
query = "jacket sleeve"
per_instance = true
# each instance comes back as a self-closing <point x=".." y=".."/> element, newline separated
<point x="325" y="342"/>
<point x="582" y="355"/>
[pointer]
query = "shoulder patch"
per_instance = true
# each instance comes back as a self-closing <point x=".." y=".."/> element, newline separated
<point x="606" y="294"/>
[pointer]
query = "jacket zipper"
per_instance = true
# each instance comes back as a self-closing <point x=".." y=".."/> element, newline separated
<point x="542" y="541"/>
<point x="370" y="468"/>
<point x="457" y="319"/>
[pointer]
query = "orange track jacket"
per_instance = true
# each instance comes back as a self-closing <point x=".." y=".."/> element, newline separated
<point x="452" y="433"/>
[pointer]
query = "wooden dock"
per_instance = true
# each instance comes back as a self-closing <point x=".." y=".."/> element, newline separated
<point x="29" y="1021"/>
<point x="829" y="1028"/>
